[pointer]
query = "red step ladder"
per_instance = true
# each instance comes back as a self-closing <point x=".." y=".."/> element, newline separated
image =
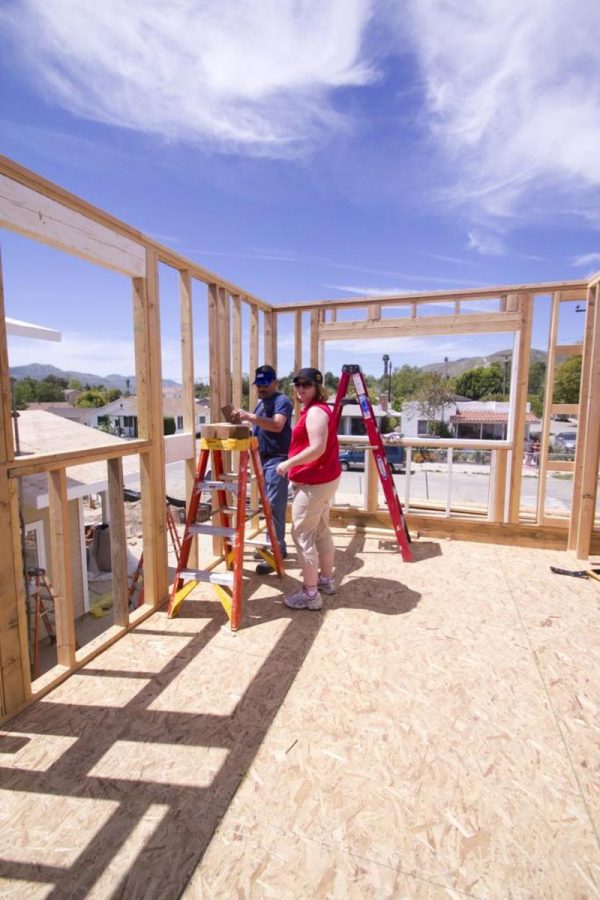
<point x="228" y="585"/>
<point x="353" y="373"/>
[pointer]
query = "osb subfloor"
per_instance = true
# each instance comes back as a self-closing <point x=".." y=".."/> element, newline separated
<point x="433" y="733"/>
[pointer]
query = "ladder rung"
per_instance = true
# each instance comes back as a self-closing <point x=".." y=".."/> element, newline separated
<point x="254" y="542"/>
<point x="217" y="486"/>
<point x="216" y="530"/>
<point x="225" y="578"/>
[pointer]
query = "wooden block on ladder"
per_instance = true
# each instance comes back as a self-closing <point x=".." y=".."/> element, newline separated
<point x="216" y="440"/>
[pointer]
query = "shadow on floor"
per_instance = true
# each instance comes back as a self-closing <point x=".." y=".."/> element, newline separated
<point x="95" y="733"/>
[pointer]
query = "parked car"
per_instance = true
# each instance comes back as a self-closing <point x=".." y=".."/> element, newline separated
<point x="354" y="458"/>
<point x="565" y="441"/>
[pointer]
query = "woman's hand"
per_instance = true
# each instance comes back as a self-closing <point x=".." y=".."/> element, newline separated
<point x="283" y="467"/>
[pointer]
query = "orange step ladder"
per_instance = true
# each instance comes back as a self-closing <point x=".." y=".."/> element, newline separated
<point x="232" y="519"/>
<point x="353" y="373"/>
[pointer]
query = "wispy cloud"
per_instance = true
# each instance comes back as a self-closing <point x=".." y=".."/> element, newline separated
<point x="255" y="75"/>
<point x="513" y="94"/>
<point x="486" y="243"/>
<point x="586" y="259"/>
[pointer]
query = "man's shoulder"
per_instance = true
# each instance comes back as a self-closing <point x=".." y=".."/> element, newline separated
<point x="282" y="402"/>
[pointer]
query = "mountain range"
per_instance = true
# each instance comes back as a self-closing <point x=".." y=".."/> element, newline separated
<point x="39" y="371"/>
<point x="452" y="369"/>
<point x="456" y="367"/>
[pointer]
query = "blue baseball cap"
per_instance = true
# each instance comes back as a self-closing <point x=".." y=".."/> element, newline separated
<point x="264" y="376"/>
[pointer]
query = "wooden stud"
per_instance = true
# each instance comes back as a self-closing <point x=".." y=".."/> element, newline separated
<point x="189" y="392"/>
<point x="591" y="438"/>
<point x="236" y="368"/>
<point x="584" y="399"/>
<point x="297" y="357"/>
<point x="253" y="354"/>
<point x="14" y="654"/>
<point x="498" y="486"/>
<point x="60" y="543"/>
<point x="549" y="390"/>
<point x="118" y="542"/>
<point x="270" y="339"/>
<point x="525" y="304"/>
<point x="150" y="425"/>
<point x="314" y="338"/>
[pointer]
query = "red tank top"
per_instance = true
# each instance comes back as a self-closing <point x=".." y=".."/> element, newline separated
<point x="327" y="467"/>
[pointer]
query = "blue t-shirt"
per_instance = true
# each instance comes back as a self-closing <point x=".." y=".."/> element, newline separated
<point x="274" y="443"/>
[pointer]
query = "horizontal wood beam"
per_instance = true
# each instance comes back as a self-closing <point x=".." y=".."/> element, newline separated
<point x="486" y="323"/>
<point x="565" y="409"/>
<point x="31" y="213"/>
<point x="50" y="462"/>
<point x="437" y="296"/>
<point x="569" y="349"/>
<point x="560" y="465"/>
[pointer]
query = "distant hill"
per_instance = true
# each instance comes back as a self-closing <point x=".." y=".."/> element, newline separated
<point x="40" y="371"/>
<point x="458" y="366"/>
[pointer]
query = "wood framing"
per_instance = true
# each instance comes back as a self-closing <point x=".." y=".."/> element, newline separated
<point x="44" y="212"/>
<point x="14" y="655"/>
<point x="519" y="390"/>
<point x="150" y="426"/>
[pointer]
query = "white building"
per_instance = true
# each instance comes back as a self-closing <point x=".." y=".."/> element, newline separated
<point x="470" y="419"/>
<point x="121" y="418"/>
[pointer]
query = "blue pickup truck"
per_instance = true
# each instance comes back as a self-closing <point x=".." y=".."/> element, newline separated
<point x="354" y="458"/>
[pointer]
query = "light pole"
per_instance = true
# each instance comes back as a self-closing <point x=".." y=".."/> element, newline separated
<point x="387" y="371"/>
<point x="504" y="368"/>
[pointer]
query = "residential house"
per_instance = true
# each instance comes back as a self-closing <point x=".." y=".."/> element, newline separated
<point x="469" y="419"/>
<point x="121" y="416"/>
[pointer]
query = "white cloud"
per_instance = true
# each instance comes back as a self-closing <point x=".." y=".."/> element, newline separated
<point x="513" y="92"/>
<point x="586" y="259"/>
<point x="255" y="75"/>
<point x="486" y="243"/>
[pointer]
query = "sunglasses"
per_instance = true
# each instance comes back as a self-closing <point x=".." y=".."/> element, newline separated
<point x="303" y="384"/>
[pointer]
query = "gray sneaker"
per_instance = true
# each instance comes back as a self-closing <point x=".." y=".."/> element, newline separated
<point x="326" y="585"/>
<point x="300" y="600"/>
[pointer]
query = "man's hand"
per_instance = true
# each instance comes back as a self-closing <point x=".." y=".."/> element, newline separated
<point x="238" y="416"/>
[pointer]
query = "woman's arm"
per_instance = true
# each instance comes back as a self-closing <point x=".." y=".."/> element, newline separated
<point x="317" y="425"/>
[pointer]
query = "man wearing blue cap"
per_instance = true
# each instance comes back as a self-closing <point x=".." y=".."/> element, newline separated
<point x="271" y="425"/>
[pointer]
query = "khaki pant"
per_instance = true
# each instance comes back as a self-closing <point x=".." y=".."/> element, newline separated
<point x="310" y="520"/>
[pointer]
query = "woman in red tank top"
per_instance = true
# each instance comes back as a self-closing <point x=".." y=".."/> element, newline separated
<point x="314" y="468"/>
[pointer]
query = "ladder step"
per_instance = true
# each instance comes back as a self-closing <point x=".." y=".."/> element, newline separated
<point x="217" y="486"/>
<point x="216" y="530"/>
<point x="254" y="542"/>
<point x="225" y="578"/>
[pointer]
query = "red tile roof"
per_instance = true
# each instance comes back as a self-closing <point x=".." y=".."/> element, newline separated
<point x="485" y="416"/>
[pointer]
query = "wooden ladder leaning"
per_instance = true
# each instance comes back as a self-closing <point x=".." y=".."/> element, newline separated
<point x="233" y="516"/>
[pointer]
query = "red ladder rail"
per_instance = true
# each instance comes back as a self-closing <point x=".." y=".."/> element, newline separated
<point x="351" y="372"/>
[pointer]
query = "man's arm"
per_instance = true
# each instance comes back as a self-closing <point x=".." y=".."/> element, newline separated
<point x="276" y="424"/>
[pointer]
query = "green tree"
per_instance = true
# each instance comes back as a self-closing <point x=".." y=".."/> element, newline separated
<point x="91" y="399"/>
<point x="406" y="381"/>
<point x="54" y="379"/>
<point x="537" y="377"/>
<point x="75" y="385"/>
<point x="201" y="390"/>
<point x="169" y="426"/>
<point x="480" y="383"/>
<point x="432" y="398"/>
<point x="567" y="380"/>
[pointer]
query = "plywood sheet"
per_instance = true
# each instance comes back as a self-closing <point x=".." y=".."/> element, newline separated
<point x="433" y="732"/>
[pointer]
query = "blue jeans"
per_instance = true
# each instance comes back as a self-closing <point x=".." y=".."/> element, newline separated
<point x="277" y="492"/>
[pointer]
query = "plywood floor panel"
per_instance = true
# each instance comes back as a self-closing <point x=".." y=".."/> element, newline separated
<point x="433" y="732"/>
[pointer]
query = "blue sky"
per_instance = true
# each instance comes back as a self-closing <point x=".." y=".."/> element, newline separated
<point x="305" y="150"/>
